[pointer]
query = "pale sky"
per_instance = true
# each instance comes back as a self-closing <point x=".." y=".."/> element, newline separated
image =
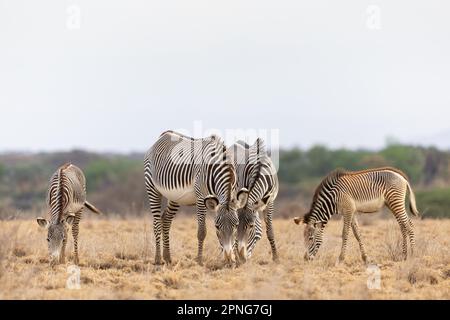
<point x="340" y="73"/>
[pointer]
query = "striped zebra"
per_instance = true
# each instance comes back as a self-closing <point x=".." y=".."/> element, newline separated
<point x="66" y="199"/>
<point x="188" y="171"/>
<point x="364" y="191"/>
<point x="257" y="185"/>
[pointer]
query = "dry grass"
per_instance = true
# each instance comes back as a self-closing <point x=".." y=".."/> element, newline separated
<point x="116" y="263"/>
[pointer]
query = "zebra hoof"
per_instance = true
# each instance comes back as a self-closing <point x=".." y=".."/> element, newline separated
<point x="157" y="268"/>
<point x="199" y="261"/>
<point x="276" y="259"/>
<point x="367" y="260"/>
<point x="167" y="258"/>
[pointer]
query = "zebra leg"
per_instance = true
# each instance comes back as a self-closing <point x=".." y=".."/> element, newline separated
<point x="412" y="238"/>
<point x="348" y="217"/>
<point x="357" y="233"/>
<point x="201" y="232"/>
<point x="269" y="229"/>
<point x="168" y="215"/>
<point x="396" y="203"/>
<point x="155" y="207"/>
<point x="62" y="258"/>
<point x="402" y="220"/>
<point x="75" y="230"/>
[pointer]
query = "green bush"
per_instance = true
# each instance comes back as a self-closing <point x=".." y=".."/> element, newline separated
<point x="105" y="172"/>
<point x="434" y="203"/>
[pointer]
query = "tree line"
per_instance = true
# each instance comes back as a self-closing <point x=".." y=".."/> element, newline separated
<point x="115" y="181"/>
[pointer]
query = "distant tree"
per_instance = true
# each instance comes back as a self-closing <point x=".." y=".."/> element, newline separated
<point x="2" y="171"/>
<point x="436" y="165"/>
<point x="407" y="158"/>
<point x="347" y="159"/>
<point x="292" y="166"/>
<point x="434" y="203"/>
<point x="320" y="161"/>
<point x="105" y="172"/>
<point x="373" y="160"/>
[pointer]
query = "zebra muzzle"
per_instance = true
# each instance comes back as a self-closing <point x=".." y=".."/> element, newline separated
<point x="243" y="253"/>
<point x="229" y="256"/>
<point x="53" y="260"/>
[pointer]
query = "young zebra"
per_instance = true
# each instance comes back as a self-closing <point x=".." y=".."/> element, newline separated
<point x="257" y="185"/>
<point x="349" y="193"/>
<point x="188" y="171"/>
<point x="66" y="198"/>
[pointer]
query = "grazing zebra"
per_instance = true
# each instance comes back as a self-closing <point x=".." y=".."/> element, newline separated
<point x="66" y="198"/>
<point x="190" y="171"/>
<point x="349" y="193"/>
<point x="257" y="185"/>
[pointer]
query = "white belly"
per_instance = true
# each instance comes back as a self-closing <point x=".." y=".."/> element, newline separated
<point x="370" y="206"/>
<point x="184" y="196"/>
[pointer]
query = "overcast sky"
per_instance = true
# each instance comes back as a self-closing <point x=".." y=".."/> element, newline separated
<point x="340" y="73"/>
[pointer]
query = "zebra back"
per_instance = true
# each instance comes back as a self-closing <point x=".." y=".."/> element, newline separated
<point x="255" y="171"/>
<point x="176" y="161"/>
<point x="67" y="189"/>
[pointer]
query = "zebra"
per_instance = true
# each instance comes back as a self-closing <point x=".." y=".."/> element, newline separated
<point x="188" y="171"/>
<point x="365" y="191"/>
<point x="66" y="198"/>
<point x="257" y="185"/>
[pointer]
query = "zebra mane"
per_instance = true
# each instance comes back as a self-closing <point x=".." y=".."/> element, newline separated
<point x="59" y="190"/>
<point x="400" y="172"/>
<point x="243" y="143"/>
<point x="221" y="150"/>
<point x="257" y="156"/>
<point x="329" y="179"/>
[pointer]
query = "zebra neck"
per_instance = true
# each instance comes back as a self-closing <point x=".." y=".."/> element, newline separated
<point x="318" y="216"/>
<point x="57" y="201"/>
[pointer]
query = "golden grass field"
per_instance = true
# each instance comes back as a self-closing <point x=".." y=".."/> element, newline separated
<point x="116" y="263"/>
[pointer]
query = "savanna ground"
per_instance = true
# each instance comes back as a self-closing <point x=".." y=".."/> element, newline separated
<point x="116" y="258"/>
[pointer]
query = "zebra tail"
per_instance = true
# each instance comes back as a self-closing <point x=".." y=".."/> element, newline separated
<point x="412" y="202"/>
<point x="92" y="207"/>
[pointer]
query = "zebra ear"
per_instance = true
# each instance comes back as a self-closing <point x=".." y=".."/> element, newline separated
<point x="211" y="203"/>
<point x="242" y="198"/>
<point x="318" y="224"/>
<point x="298" y="220"/>
<point x="261" y="204"/>
<point x="42" y="222"/>
<point x="70" y="219"/>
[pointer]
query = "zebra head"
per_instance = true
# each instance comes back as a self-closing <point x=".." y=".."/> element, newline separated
<point x="56" y="235"/>
<point x="249" y="228"/>
<point x="226" y="221"/>
<point x="313" y="235"/>
<point x="248" y="233"/>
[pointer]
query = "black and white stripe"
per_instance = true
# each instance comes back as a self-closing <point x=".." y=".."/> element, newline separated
<point x="257" y="179"/>
<point x="364" y="191"/>
<point x="66" y="198"/>
<point x="190" y="171"/>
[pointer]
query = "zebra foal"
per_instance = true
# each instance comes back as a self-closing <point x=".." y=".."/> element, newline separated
<point x="348" y="193"/>
<point x="66" y="198"/>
